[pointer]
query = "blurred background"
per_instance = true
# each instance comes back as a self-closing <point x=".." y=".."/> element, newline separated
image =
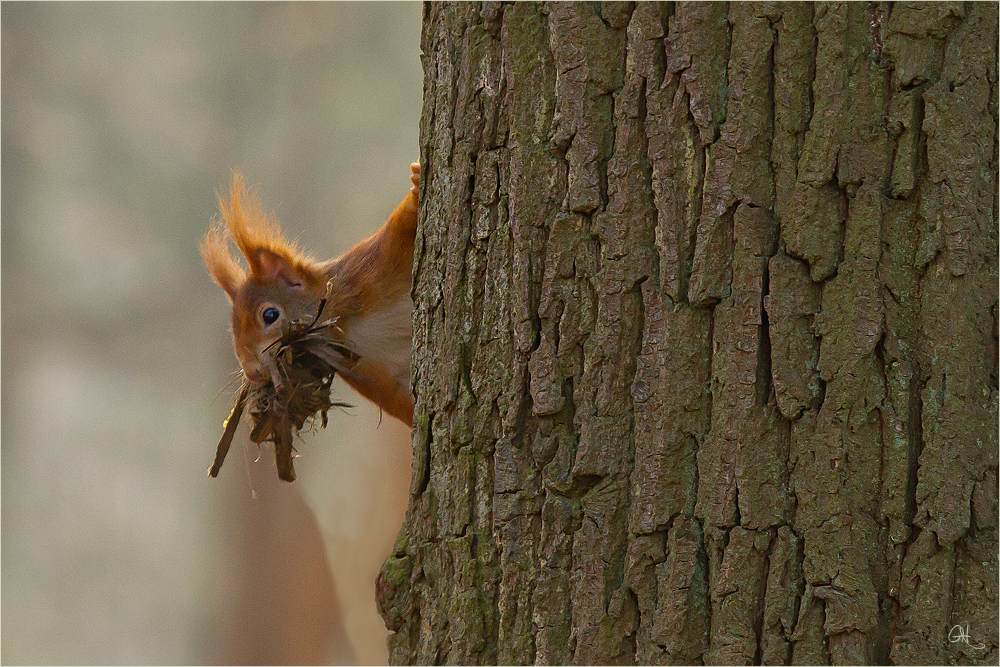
<point x="119" y="124"/>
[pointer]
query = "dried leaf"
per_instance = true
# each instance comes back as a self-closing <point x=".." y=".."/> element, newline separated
<point x="308" y="357"/>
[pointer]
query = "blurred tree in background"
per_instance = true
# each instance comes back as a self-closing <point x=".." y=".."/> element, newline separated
<point x="119" y="124"/>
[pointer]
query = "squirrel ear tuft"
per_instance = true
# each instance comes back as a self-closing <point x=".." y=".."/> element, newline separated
<point x="226" y="273"/>
<point x="269" y="255"/>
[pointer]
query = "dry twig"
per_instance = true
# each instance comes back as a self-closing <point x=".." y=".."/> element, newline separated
<point x="301" y="373"/>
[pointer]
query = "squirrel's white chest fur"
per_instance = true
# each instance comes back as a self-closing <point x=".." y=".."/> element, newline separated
<point x="384" y="337"/>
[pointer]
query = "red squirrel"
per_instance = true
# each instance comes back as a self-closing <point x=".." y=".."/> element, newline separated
<point x="369" y="293"/>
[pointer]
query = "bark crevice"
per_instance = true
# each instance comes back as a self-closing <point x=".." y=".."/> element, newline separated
<point x="705" y="336"/>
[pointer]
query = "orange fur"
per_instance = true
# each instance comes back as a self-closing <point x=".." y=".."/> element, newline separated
<point x="255" y="234"/>
<point x="377" y="270"/>
<point x="368" y="284"/>
<point x="226" y="272"/>
<point x="380" y="388"/>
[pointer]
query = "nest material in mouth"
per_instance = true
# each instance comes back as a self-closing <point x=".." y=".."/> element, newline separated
<point x="301" y="372"/>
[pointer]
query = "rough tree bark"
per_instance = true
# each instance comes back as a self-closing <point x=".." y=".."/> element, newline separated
<point x="705" y="348"/>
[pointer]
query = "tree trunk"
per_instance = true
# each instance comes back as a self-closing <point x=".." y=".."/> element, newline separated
<point x="705" y="348"/>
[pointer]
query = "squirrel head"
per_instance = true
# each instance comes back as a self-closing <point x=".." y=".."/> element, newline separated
<point x="281" y="283"/>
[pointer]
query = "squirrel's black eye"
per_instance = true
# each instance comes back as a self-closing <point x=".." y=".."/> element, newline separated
<point x="270" y="315"/>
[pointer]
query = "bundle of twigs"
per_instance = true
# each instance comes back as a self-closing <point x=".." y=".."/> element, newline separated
<point x="301" y="373"/>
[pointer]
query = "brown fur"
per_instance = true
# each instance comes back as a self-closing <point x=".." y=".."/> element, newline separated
<point x="369" y="278"/>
